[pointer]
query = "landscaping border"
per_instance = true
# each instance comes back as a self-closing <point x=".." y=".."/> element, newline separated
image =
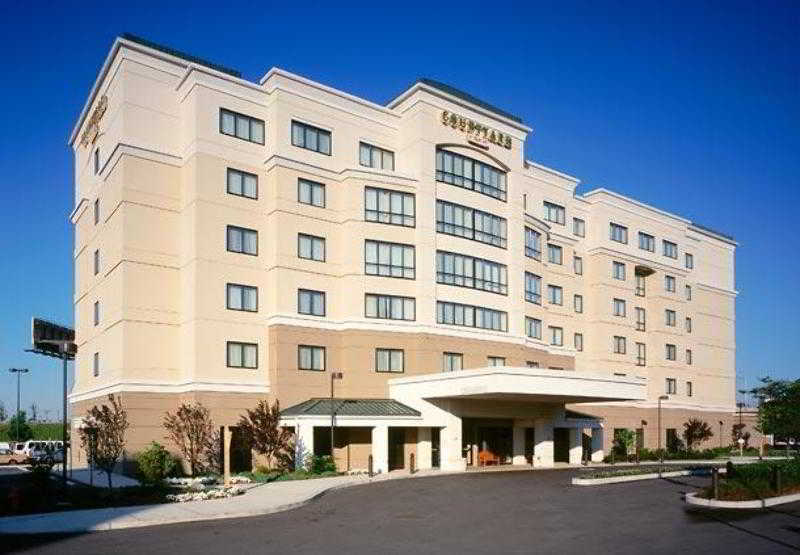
<point x="694" y="499"/>
<point x="577" y="481"/>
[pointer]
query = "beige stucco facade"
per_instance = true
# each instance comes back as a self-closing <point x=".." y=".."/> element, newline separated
<point x="152" y="207"/>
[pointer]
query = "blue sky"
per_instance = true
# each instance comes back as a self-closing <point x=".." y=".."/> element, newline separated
<point x="689" y="106"/>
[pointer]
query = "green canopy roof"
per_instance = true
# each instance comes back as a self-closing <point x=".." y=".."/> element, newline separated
<point x="349" y="407"/>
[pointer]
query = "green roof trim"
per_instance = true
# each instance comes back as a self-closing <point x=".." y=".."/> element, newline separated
<point x="458" y="93"/>
<point x="321" y="406"/>
<point x="177" y="53"/>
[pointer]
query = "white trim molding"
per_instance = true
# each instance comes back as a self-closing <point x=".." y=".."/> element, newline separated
<point x="161" y="387"/>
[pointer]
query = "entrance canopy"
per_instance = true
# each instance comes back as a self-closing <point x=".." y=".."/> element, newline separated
<point x="522" y="384"/>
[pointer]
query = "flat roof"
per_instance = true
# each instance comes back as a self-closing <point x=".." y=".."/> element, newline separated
<point x="179" y="54"/>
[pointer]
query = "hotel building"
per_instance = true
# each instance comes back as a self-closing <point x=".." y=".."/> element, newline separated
<point x="236" y="241"/>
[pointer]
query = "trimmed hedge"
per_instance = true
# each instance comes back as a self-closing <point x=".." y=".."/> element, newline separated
<point x="757" y="480"/>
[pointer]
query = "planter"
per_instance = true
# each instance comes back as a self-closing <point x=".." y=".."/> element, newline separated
<point x="577" y="481"/>
<point x="693" y="499"/>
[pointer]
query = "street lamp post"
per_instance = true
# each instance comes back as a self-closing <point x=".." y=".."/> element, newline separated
<point x="720" y="433"/>
<point x="334" y="376"/>
<point x="660" y="452"/>
<point x="18" y="372"/>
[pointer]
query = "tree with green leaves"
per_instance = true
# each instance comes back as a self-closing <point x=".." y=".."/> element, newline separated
<point x="18" y="428"/>
<point x="624" y="441"/>
<point x="779" y="408"/>
<point x="695" y="432"/>
<point x="103" y="435"/>
<point x="261" y="428"/>
<point x="3" y="413"/>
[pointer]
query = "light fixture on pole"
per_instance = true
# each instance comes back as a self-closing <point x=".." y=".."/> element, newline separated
<point x="18" y="372"/>
<point x="720" y="433"/>
<point x="660" y="452"/>
<point x="334" y="376"/>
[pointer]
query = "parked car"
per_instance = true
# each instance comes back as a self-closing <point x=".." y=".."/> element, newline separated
<point x="7" y="456"/>
<point x="47" y="455"/>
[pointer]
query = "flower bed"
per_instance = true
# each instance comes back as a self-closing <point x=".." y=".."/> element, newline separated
<point x="216" y="493"/>
<point x="646" y="470"/>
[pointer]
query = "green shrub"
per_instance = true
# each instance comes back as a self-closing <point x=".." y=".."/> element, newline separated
<point x="155" y="464"/>
<point x="320" y="464"/>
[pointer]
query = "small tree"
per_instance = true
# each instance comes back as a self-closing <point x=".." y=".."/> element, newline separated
<point x="155" y="463"/>
<point x="3" y="413"/>
<point x="103" y="435"/>
<point x="738" y="431"/>
<point x="779" y="408"/>
<point x="624" y="440"/>
<point x="192" y="431"/>
<point x="18" y="428"/>
<point x="695" y="432"/>
<point x="261" y="429"/>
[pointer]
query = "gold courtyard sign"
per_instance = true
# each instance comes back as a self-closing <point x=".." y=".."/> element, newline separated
<point x="476" y="132"/>
<point x="92" y="128"/>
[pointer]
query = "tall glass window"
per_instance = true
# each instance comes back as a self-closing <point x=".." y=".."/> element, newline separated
<point x="533" y="244"/>
<point x="462" y="221"/>
<point x="533" y="328"/>
<point x="467" y="271"/>
<point x="533" y="288"/>
<point x="469" y="173"/>
<point x="389" y="259"/>
<point x="555" y="254"/>
<point x="389" y="207"/>
<point x="456" y="314"/>
<point x="389" y="307"/>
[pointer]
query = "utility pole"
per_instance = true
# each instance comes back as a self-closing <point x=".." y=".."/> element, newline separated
<point x="18" y="372"/>
<point x="660" y="452"/>
<point x="334" y="376"/>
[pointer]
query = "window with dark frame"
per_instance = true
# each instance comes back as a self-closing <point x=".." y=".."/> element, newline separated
<point x="533" y="288"/>
<point x="578" y="227"/>
<point x="395" y="260"/>
<point x="554" y="213"/>
<point x="670" y="249"/>
<point x="372" y="156"/>
<point x="311" y="302"/>
<point x="577" y="265"/>
<point x="97" y="160"/>
<point x="471" y="174"/>
<point x="96" y="261"/>
<point x="555" y="254"/>
<point x="641" y="354"/>
<point x="556" y="336"/>
<point x="457" y="314"/>
<point x="242" y="184"/>
<point x="555" y="294"/>
<point x="389" y="307"/>
<point x="96" y="211"/>
<point x="688" y="357"/>
<point x="310" y="192"/>
<point x="241" y="126"/>
<point x="618" y="270"/>
<point x="670" y="319"/>
<point x="242" y="355"/>
<point x="242" y="240"/>
<point x="671" y="386"/>
<point x="640" y="285"/>
<point x="533" y="244"/>
<point x="619" y="307"/>
<point x="495" y="361"/>
<point x="533" y="327"/>
<point x="470" y="223"/>
<point x="389" y="360"/>
<point x="647" y="242"/>
<point x="620" y="346"/>
<point x="671" y="352"/>
<point x="641" y="319"/>
<point x="241" y="297"/>
<point x="689" y="262"/>
<point x="311" y="137"/>
<point x="96" y="313"/>
<point x="96" y="364"/>
<point x="669" y="284"/>
<point x="578" y="341"/>
<point x="474" y="273"/>
<point x="311" y="357"/>
<point x="618" y="233"/>
<point x="452" y="362"/>
<point x="311" y="247"/>
<point x="384" y="206"/>
<point x="577" y="301"/>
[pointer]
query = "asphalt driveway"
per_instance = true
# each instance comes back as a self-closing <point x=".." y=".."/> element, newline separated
<point x="497" y="512"/>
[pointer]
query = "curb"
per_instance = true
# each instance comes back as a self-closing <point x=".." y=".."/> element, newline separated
<point x="693" y="499"/>
<point x="577" y="481"/>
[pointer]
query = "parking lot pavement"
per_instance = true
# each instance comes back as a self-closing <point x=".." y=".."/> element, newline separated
<point x="498" y="512"/>
<point x="12" y="470"/>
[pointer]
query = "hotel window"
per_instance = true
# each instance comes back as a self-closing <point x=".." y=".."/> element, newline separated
<point x="669" y="316"/>
<point x="555" y="254"/>
<point x="689" y="389"/>
<point x="533" y="288"/>
<point x="640" y="289"/>
<point x="311" y="247"/>
<point x="689" y="262"/>
<point x="533" y="244"/>
<point x="533" y="328"/>
<point x="619" y="345"/>
<point x="97" y="160"/>
<point x="688" y="290"/>
<point x="389" y="207"/>
<point x="671" y="386"/>
<point x="556" y="335"/>
<point x="670" y="249"/>
<point x="389" y="307"/>
<point x="689" y="357"/>
<point x="310" y="302"/>
<point x="462" y="221"/>
<point x="671" y="352"/>
<point x="242" y="184"/>
<point x="452" y="362"/>
<point x="495" y="361"/>
<point x="241" y="126"/>
<point x="96" y="313"/>
<point x="96" y="211"/>
<point x="532" y="364"/>
<point x="375" y="157"/>
<point x="456" y="314"/>
<point x="618" y="270"/>
<point x="389" y="360"/>
<point x="577" y="265"/>
<point x="641" y="320"/>
<point x="96" y="364"/>
<point x="468" y="173"/>
<point x="688" y="325"/>
<point x="242" y="297"/>
<point x="578" y="339"/>
<point x="669" y="284"/>
<point x="578" y="227"/>
<point x="641" y="354"/>
<point x="619" y="233"/>
<point x="554" y="213"/>
<point x="310" y="192"/>
<point x="242" y="240"/>
<point x="389" y="259"/>
<point x="311" y="357"/>
<point x="311" y="138"/>
<point x="577" y="301"/>
<point x="97" y="262"/>
<point x="647" y="242"/>
<point x="619" y="307"/>
<point x="242" y="355"/>
<point x="555" y="294"/>
<point x="474" y="273"/>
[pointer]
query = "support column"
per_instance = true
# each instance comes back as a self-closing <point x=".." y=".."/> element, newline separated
<point x="424" y="448"/>
<point x="518" y="447"/>
<point x="543" y="449"/>
<point x="450" y="444"/>
<point x="597" y="445"/>
<point x="575" y="445"/>
<point x="304" y="444"/>
<point x="380" y="449"/>
<point x="226" y="455"/>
